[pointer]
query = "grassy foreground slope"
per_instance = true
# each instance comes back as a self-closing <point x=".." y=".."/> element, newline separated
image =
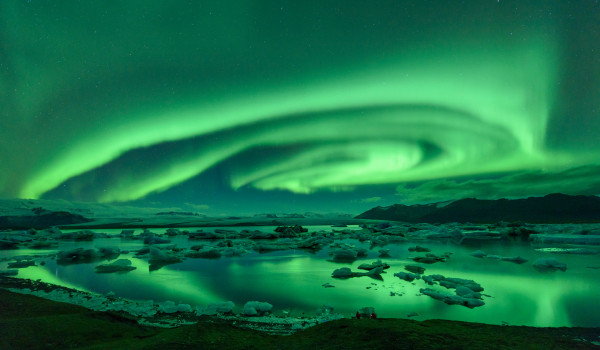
<point x="29" y="322"/>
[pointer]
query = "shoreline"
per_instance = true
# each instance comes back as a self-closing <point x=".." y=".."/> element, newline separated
<point x="30" y="322"/>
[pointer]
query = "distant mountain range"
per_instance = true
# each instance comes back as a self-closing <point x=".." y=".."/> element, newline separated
<point x="553" y="208"/>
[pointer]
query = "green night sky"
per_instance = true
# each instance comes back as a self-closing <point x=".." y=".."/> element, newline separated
<point x="253" y="106"/>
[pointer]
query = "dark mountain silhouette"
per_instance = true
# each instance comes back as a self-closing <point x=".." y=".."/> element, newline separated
<point x="45" y="219"/>
<point x="552" y="208"/>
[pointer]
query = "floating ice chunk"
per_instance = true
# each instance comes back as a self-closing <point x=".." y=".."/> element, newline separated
<point x="184" y="308"/>
<point x="205" y="253"/>
<point x="21" y="264"/>
<point x="419" y="249"/>
<point x="467" y="292"/>
<point x="479" y="254"/>
<point x="168" y="307"/>
<point x="255" y="308"/>
<point x="515" y="259"/>
<point x="215" y="308"/>
<point x="120" y="265"/>
<point x="549" y="264"/>
<point x="409" y="277"/>
<point x="415" y="269"/>
<point x="452" y="299"/>
<point x="373" y="265"/>
<point x="8" y="273"/>
<point x="455" y="282"/>
<point x="345" y="272"/>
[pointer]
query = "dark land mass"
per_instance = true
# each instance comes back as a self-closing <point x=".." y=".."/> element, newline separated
<point x="40" y="221"/>
<point x="552" y="208"/>
<point x="29" y="322"/>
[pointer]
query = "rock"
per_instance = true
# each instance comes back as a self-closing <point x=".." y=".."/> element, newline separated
<point x="366" y="312"/>
<point x="549" y="265"/>
<point x="120" y="265"/>
<point x="415" y="269"/>
<point x="409" y="277"/>
<point x="256" y="308"/>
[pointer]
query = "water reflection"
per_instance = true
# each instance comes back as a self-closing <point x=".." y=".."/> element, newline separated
<point x="293" y="281"/>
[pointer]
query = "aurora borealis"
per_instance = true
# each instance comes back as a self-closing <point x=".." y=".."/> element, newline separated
<point x="298" y="105"/>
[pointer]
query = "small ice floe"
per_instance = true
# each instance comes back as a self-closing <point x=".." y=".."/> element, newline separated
<point x="345" y="272"/>
<point x="21" y="264"/>
<point x="415" y="269"/>
<point x="432" y="279"/>
<point x="204" y="253"/>
<point x="384" y="253"/>
<point x="587" y="239"/>
<point x="451" y="283"/>
<point x="346" y="252"/>
<point x="452" y="299"/>
<point x="327" y="285"/>
<point x="374" y="265"/>
<point x="419" y="249"/>
<point x="582" y="251"/>
<point x="256" y="308"/>
<point x="483" y="255"/>
<point x="170" y="307"/>
<point x="81" y="255"/>
<point x="549" y="265"/>
<point x="409" y="277"/>
<point x="215" y="308"/>
<point x="162" y="257"/>
<point x="8" y="245"/>
<point x="430" y="258"/>
<point x="120" y="265"/>
<point x="412" y="314"/>
<point x="8" y="273"/>
<point x="151" y="238"/>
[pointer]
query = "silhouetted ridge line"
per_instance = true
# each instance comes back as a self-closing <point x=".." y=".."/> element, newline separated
<point x="552" y="208"/>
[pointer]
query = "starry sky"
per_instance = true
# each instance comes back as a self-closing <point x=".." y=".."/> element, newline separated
<point x="330" y="106"/>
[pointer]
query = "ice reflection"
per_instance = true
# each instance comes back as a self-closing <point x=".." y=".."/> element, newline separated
<point x="293" y="281"/>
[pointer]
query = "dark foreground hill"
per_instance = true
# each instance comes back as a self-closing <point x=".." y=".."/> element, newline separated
<point x="28" y="322"/>
<point x="553" y="208"/>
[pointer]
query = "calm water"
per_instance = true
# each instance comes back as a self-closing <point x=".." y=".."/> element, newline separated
<point x="292" y="281"/>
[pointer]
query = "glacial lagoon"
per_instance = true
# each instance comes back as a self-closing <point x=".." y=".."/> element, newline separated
<point x="298" y="282"/>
